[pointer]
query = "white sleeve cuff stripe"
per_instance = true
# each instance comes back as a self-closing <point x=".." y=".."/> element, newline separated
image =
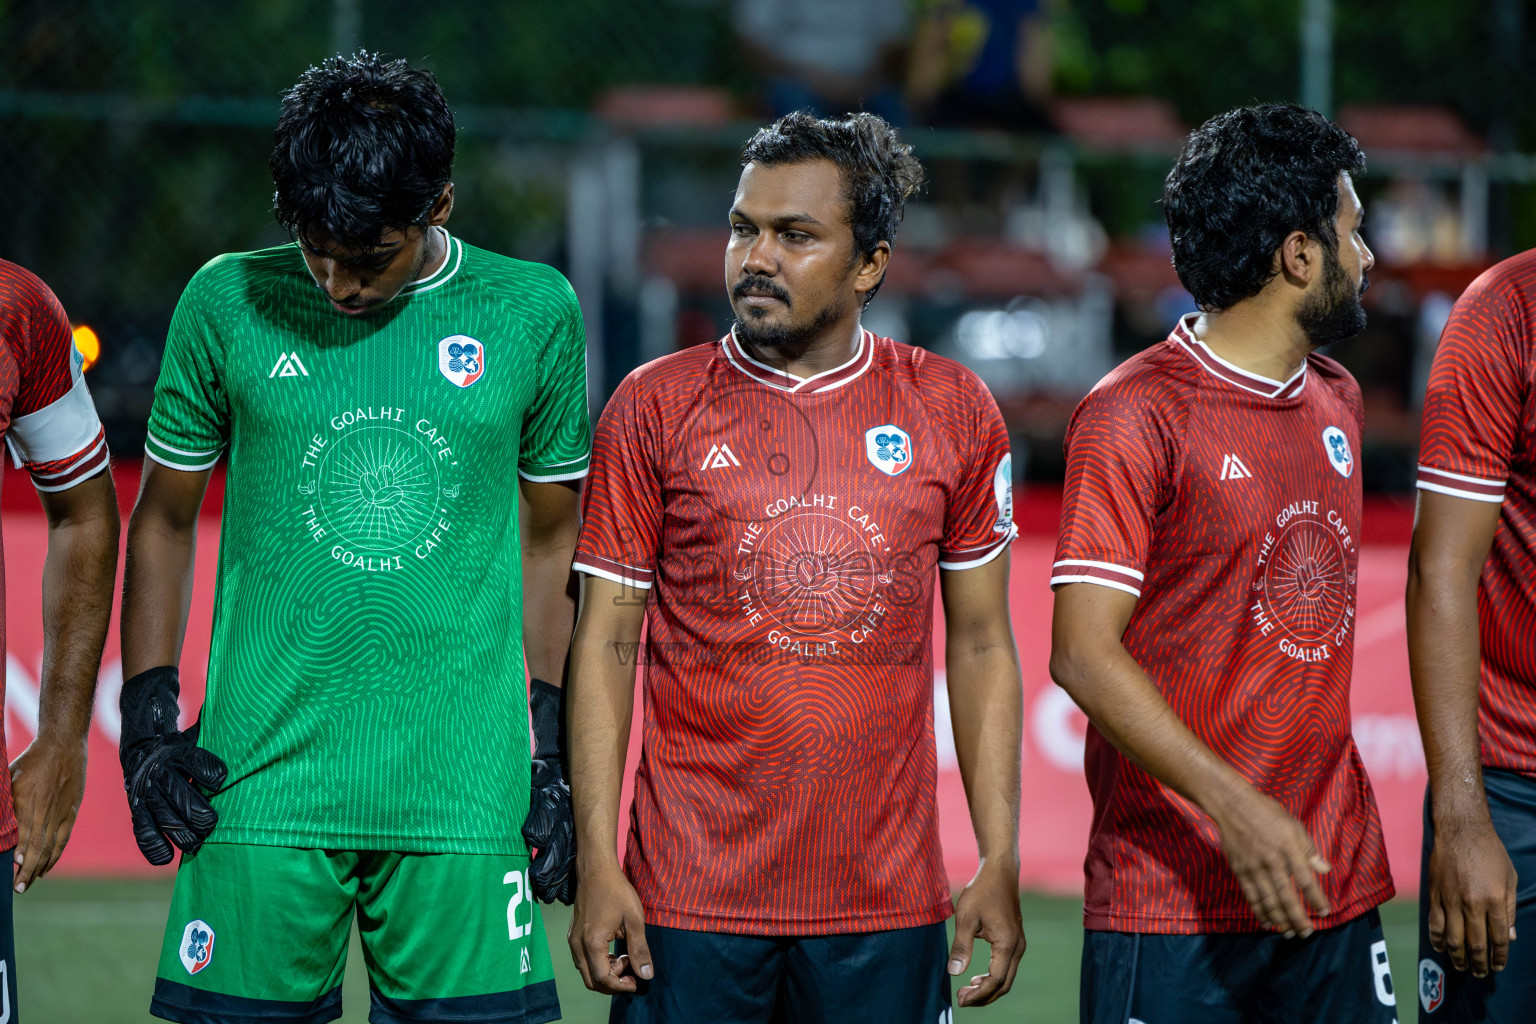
<point x="182" y="451"/>
<point x="613" y="577"/>
<point x="84" y="457"/>
<point x="1493" y="499"/>
<point x="960" y="554"/>
<point x="557" y="465"/>
<point x="184" y="467"/>
<point x="77" y="474"/>
<point x="983" y="560"/>
<point x="1111" y="566"/>
<point x="1460" y="476"/>
<point x="553" y="477"/>
<point x="1057" y="581"/>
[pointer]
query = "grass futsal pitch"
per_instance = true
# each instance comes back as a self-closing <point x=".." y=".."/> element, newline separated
<point x="87" y="950"/>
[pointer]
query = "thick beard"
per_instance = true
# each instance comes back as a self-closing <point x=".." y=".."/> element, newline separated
<point x="1335" y="313"/>
<point x="786" y="339"/>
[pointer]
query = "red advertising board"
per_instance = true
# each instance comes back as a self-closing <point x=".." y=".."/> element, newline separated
<point x="1055" y="812"/>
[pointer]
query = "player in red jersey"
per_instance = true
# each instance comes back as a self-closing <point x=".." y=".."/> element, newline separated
<point x="774" y="507"/>
<point x="1472" y="650"/>
<point x="1205" y="601"/>
<point x="50" y="427"/>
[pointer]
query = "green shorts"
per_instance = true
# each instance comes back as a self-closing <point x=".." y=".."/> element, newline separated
<point x="260" y="934"/>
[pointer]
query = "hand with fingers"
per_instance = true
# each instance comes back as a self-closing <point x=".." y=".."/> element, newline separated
<point x="164" y="770"/>
<point x="1472" y="887"/>
<point x="988" y="908"/>
<point x="1275" y="862"/>
<point x="607" y="910"/>
<point x="47" y="784"/>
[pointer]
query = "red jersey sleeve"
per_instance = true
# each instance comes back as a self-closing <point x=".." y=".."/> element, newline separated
<point x="54" y="430"/>
<point x="1121" y="461"/>
<point x="621" y="504"/>
<point x="1478" y="387"/>
<point x="978" y="521"/>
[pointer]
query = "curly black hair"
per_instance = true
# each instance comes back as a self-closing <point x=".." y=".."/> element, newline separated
<point x="362" y="146"/>
<point x="878" y="170"/>
<point x="1245" y="180"/>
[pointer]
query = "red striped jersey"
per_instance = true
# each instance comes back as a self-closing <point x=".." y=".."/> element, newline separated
<point x="46" y="415"/>
<point x="1229" y="505"/>
<point x="784" y="534"/>
<point x="1478" y="442"/>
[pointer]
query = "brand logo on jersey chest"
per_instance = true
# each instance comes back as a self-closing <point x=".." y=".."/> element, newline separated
<point x="196" y="946"/>
<point x="288" y="365"/>
<point x="461" y="359"/>
<point x="720" y="457"/>
<point x="1336" y="444"/>
<point x="889" y="449"/>
<point x="1232" y="468"/>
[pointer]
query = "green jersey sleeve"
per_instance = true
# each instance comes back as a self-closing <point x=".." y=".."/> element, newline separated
<point x="189" y="424"/>
<point x="556" y="440"/>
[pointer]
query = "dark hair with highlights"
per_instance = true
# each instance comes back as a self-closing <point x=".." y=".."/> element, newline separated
<point x="363" y="146"/>
<point x="879" y="171"/>
<point x="1245" y="180"/>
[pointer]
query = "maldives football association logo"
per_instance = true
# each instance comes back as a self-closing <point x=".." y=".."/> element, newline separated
<point x="1336" y="445"/>
<point x="196" y="946"/>
<point x="461" y="359"/>
<point x="889" y="449"/>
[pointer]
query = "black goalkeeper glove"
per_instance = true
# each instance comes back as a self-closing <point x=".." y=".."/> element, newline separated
<point x="163" y="768"/>
<point x="550" y="828"/>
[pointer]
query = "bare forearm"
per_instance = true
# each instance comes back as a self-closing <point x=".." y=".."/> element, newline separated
<point x="157" y="593"/>
<point x="78" y="575"/>
<point x="1443" y="655"/>
<point x="599" y="710"/>
<point x="550" y="521"/>
<point x="549" y="609"/>
<point x="986" y="706"/>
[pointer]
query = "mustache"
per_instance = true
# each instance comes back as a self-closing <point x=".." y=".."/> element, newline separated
<point x="757" y="285"/>
<point x="1365" y="282"/>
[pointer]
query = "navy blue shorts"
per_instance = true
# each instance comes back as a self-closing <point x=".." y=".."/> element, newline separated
<point x="1507" y="996"/>
<point x="895" y="976"/>
<point x="1338" y="975"/>
<point x="8" y="945"/>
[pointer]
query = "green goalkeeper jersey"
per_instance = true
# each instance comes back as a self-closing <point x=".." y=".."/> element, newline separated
<point x="365" y="679"/>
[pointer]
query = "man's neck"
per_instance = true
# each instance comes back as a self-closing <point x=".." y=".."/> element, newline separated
<point x="827" y="351"/>
<point x="435" y="249"/>
<point x="1263" y="341"/>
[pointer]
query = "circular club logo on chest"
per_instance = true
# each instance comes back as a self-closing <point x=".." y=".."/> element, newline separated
<point x="816" y="573"/>
<point x="378" y="486"/>
<point x="1305" y="581"/>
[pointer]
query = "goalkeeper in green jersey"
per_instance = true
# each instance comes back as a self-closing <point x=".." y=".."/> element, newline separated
<point x="363" y="746"/>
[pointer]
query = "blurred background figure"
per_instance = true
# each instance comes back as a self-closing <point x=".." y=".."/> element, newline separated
<point x="981" y="64"/>
<point x="826" y="56"/>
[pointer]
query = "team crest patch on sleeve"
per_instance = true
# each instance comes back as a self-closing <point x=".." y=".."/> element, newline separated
<point x="196" y="946"/>
<point x="461" y="359"/>
<point x="1431" y="985"/>
<point x="1337" y="447"/>
<point x="889" y="449"/>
